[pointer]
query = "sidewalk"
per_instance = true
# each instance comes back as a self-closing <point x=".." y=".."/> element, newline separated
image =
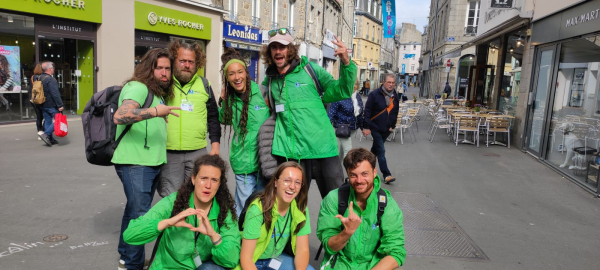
<point x="519" y="213"/>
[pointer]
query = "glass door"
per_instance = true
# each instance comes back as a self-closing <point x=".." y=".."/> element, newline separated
<point x="63" y="53"/>
<point x="538" y="101"/>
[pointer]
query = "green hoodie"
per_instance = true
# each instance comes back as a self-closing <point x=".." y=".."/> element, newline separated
<point x="359" y="253"/>
<point x="176" y="247"/>
<point x="303" y="130"/>
<point x="244" y="154"/>
<point x="265" y="235"/>
<point x="188" y="131"/>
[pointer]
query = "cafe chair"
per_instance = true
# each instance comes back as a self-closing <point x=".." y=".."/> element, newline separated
<point x="468" y="124"/>
<point x="498" y="125"/>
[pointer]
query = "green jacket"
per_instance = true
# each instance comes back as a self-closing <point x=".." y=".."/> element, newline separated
<point x="265" y="235"/>
<point x="188" y="131"/>
<point x="176" y="247"/>
<point x="244" y="155"/>
<point x="303" y="129"/>
<point x="359" y="253"/>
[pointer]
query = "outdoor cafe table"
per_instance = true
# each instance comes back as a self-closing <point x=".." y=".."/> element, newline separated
<point x="487" y="119"/>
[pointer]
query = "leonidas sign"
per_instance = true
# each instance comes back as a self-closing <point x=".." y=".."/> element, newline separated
<point x="80" y="10"/>
<point x="163" y="20"/>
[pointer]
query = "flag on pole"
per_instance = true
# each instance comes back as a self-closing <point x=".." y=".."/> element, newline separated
<point x="389" y="18"/>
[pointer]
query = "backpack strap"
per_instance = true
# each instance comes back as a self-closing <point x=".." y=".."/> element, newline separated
<point x="381" y="204"/>
<point x="146" y="105"/>
<point x="207" y="87"/>
<point x="155" y="249"/>
<point x="311" y="72"/>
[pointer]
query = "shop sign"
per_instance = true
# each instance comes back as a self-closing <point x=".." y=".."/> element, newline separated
<point x="329" y="36"/>
<point x="576" y="21"/>
<point x="54" y="26"/>
<point x="241" y="46"/>
<point x="245" y="33"/>
<point x="464" y="82"/>
<point x="163" y="20"/>
<point x="80" y="10"/>
<point x="502" y="3"/>
<point x="450" y="39"/>
<point x="151" y="38"/>
<point x="586" y="17"/>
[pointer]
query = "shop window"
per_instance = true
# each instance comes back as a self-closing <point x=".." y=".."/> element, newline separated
<point x="472" y="18"/>
<point x="17" y="61"/>
<point x="256" y="13"/>
<point x="575" y="120"/>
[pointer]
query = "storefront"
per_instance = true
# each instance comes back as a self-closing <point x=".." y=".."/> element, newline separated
<point x="563" y="116"/>
<point x="156" y="26"/>
<point x="31" y="32"/>
<point x="247" y="41"/>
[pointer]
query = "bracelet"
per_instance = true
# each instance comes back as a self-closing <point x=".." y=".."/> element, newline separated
<point x="218" y="240"/>
<point x="156" y="111"/>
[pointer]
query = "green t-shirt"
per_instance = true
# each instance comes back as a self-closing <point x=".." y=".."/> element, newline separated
<point x="131" y="149"/>
<point x="253" y="222"/>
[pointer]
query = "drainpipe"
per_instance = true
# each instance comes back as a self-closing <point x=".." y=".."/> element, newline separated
<point x="432" y="43"/>
<point x="306" y="26"/>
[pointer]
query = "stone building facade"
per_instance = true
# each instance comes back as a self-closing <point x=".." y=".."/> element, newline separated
<point x="368" y="36"/>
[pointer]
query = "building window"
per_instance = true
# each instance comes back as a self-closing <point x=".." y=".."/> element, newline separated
<point x="357" y="3"/>
<point x="233" y="10"/>
<point x="367" y="32"/>
<point x="291" y="15"/>
<point x="405" y="47"/>
<point x="353" y="50"/>
<point x="412" y="67"/>
<point x="375" y="10"/>
<point x="414" y="47"/>
<point x="369" y="6"/>
<point x="472" y="18"/>
<point x="256" y="13"/>
<point x="274" y="15"/>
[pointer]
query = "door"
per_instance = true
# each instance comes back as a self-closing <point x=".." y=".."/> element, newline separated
<point x="84" y="75"/>
<point x="538" y="100"/>
<point x="62" y="52"/>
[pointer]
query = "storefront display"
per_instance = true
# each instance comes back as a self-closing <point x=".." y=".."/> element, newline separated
<point x="563" y="126"/>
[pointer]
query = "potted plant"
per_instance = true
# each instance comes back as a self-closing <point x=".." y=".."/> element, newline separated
<point x="444" y="95"/>
<point x="467" y="104"/>
<point x="454" y="101"/>
<point x="477" y="109"/>
<point x="414" y="98"/>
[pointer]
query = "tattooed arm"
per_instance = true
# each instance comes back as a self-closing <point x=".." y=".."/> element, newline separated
<point x="129" y="112"/>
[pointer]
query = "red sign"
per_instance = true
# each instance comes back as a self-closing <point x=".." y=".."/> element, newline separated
<point x="448" y="63"/>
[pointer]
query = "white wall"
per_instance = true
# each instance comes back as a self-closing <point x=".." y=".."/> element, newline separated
<point x="408" y="62"/>
<point x="545" y="8"/>
<point x="489" y="17"/>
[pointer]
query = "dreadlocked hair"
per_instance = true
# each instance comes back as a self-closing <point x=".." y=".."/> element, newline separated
<point x="230" y="93"/>
<point x="223" y="197"/>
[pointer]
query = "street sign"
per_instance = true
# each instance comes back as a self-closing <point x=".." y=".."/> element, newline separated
<point x="448" y="66"/>
<point x="502" y="3"/>
<point x="450" y="39"/>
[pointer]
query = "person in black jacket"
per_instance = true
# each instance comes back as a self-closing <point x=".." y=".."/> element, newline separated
<point x="380" y="117"/>
<point x="53" y="103"/>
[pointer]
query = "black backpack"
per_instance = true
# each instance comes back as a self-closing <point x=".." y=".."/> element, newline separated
<point x="99" y="128"/>
<point x="343" y="197"/>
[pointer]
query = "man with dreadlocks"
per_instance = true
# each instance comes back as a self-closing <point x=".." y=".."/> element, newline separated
<point x="243" y="109"/>
<point x="186" y="135"/>
<point x="302" y="130"/>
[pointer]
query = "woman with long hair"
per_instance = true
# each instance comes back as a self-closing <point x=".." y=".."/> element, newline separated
<point x="37" y="71"/>
<point x="277" y="223"/>
<point x="6" y="80"/>
<point x="244" y="109"/>
<point x="197" y="224"/>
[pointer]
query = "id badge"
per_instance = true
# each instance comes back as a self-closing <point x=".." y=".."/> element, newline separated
<point x="279" y="108"/>
<point x="187" y="105"/>
<point x="275" y="263"/>
<point x="197" y="260"/>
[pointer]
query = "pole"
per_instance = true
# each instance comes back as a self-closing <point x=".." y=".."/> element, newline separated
<point x="432" y="43"/>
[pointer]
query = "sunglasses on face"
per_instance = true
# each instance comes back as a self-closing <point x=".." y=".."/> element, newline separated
<point x="281" y="31"/>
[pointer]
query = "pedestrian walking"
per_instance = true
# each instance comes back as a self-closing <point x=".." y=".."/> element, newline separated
<point x="371" y="234"/>
<point x="303" y="132"/>
<point x="244" y="110"/>
<point x="196" y="226"/>
<point x="367" y="87"/>
<point x="142" y="151"/>
<point x="199" y="114"/>
<point x="39" y="115"/>
<point x="380" y="118"/>
<point x="53" y="103"/>
<point x="278" y="217"/>
<point x="447" y="90"/>
<point x="347" y="114"/>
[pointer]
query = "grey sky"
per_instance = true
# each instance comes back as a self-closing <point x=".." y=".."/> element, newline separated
<point x="412" y="11"/>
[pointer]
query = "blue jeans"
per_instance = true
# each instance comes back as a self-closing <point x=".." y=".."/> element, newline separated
<point x="139" y="184"/>
<point x="49" y="114"/>
<point x="378" y="149"/>
<point x="287" y="263"/>
<point x="245" y="184"/>
<point x="210" y="265"/>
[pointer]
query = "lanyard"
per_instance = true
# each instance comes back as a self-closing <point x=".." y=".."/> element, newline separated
<point x="282" y="231"/>
<point x="186" y="94"/>
<point x="198" y="233"/>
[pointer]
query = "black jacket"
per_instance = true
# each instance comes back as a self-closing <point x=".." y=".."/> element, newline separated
<point x="51" y="91"/>
<point x="375" y="105"/>
<point x="447" y="90"/>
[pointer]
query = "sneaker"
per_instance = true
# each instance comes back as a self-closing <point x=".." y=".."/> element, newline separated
<point x="44" y="138"/>
<point x="54" y="142"/>
<point x="389" y="179"/>
<point x="122" y="265"/>
<point x="40" y="133"/>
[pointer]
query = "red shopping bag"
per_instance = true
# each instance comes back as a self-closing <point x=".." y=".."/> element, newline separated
<point x="60" y="125"/>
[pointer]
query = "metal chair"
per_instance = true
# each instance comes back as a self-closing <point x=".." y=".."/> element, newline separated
<point x="408" y="125"/>
<point x="468" y="124"/>
<point x="495" y="125"/>
<point x="439" y="122"/>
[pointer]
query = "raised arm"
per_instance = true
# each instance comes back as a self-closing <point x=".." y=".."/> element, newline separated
<point x="129" y="112"/>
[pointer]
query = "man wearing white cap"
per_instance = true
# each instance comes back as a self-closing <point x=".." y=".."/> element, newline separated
<point x="302" y="131"/>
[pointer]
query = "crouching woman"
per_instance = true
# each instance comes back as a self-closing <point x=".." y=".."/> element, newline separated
<point x="278" y="220"/>
<point x="197" y="224"/>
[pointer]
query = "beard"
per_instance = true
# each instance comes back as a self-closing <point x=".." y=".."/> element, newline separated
<point x="163" y="85"/>
<point x="184" y="77"/>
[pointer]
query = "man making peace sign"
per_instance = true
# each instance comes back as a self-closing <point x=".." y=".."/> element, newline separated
<point x="364" y="237"/>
